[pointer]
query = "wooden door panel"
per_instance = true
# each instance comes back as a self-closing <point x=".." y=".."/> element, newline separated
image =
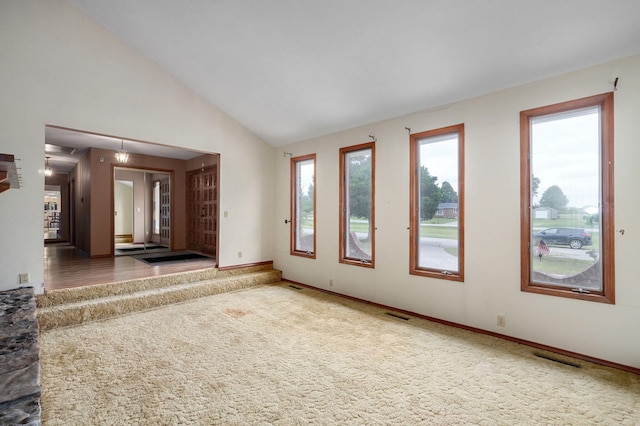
<point x="165" y="217"/>
<point x="202" y="210"/>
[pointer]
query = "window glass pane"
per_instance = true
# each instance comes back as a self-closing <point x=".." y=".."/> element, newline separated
<point x="156" y="208"/>
<point x="438" y="218"/>
<point x="358" y="176"/>
<point x="304" y="211"/>
<point x="357" y="211"/>
<point x="566" y="199"/>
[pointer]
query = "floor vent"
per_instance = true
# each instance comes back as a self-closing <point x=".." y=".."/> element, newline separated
<point x="294" y="287"/>
<point x="391" y="314"/>
<point x="554" y="359"/>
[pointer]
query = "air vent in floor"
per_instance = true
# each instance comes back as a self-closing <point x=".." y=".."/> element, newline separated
<point x="391" y="314"/>
<point x="558" y="360"/>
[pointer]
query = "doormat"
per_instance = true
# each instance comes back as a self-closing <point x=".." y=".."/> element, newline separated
<point x="154" y="259"/>
<point x="130" y="249"/>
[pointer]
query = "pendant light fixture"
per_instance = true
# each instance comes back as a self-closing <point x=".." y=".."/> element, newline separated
<point x="48" y="171"/>
<point x="122" y="156"/>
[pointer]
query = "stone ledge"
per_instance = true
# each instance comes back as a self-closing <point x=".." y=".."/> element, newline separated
<point x="19" y="358"/>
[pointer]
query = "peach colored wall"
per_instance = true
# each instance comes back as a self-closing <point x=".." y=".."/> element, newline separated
<point x="203" y="161"/>
<point x="101" y="206"/>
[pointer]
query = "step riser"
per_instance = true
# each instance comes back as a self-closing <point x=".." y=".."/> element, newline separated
<point x="69" y="295"/>
<point x="60" y="316"/>
<point x="78" y="294"/>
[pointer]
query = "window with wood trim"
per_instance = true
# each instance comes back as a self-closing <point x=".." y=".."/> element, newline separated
<point x="303" y="206"/>
<point x="567" y="230"/>
<point x="357" y="201"/>
<point x="437" y="203"/>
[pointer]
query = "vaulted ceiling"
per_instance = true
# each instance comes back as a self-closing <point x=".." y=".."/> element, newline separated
<point x="290" y="70"/>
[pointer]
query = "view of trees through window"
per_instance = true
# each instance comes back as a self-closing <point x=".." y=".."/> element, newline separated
<point x="566" y="207"/>
<point x="436" y="203"/>
<point x="357" y="195"/>
<point x="567" y="229"/>
<point x="565" y="199"/>
<point x="303" y="205"/>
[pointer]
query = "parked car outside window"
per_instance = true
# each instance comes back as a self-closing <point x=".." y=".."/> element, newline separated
<point x="572" y="237"/>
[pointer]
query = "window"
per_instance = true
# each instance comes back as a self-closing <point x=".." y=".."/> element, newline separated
<point x="566" y="157"/>
<point x="303" y="206"/>
<point x="357" y="218"/>
<point x="437" y="203"/>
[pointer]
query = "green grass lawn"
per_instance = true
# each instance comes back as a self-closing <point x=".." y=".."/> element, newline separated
<point x="567" y="220"/>
<point x="559" y="265"/>
<point x="452" y="251"/>
<point x="359" y="226"/>
<point x="552" y="265"/>
<point x="449" y="232"/>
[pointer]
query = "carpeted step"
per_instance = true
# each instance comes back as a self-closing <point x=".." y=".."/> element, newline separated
<point x="77" y="294"/>
<point x="77" y="311"/>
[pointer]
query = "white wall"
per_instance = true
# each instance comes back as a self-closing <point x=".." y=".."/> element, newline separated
<point x="492" y="177"/>
<point x="61" y="68"/>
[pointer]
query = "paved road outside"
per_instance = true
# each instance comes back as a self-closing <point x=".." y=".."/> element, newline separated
<point x="434" y="255"/>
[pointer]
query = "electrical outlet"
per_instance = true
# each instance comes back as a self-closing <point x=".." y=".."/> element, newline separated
<point x="501" y="321"/>
<point x="330" y="282"/>
<point x="239" y="254"/>
<point x="24" y="278"/>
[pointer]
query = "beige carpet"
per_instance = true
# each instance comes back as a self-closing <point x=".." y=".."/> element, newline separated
<point x="273" y="355"/>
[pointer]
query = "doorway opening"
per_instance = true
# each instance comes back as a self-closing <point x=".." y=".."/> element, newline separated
<point x="141" y="211"/>
<point x="95" y="220"/>
<point x="52" y="210"/>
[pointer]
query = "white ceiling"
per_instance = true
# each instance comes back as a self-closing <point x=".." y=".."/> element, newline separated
<point x="290" y="70"/>
<point x="65" y="147"/>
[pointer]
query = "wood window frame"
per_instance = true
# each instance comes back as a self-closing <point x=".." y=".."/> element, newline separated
<point x="343" y="257"/>
<point x="294" y="207"/>
<point x="414" y="216"/>
<point x="606" y="103"/>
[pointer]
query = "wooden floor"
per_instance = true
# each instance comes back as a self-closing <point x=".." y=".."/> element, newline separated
<point x="65" y="267"/>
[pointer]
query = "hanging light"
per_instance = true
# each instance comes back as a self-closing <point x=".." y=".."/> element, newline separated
<point x="122" y="156"/>
<point x="48" y="171"/>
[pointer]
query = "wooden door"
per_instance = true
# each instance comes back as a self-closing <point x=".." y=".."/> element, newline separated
<point x="202" y="210"/>
<point x="165" y="208"/>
